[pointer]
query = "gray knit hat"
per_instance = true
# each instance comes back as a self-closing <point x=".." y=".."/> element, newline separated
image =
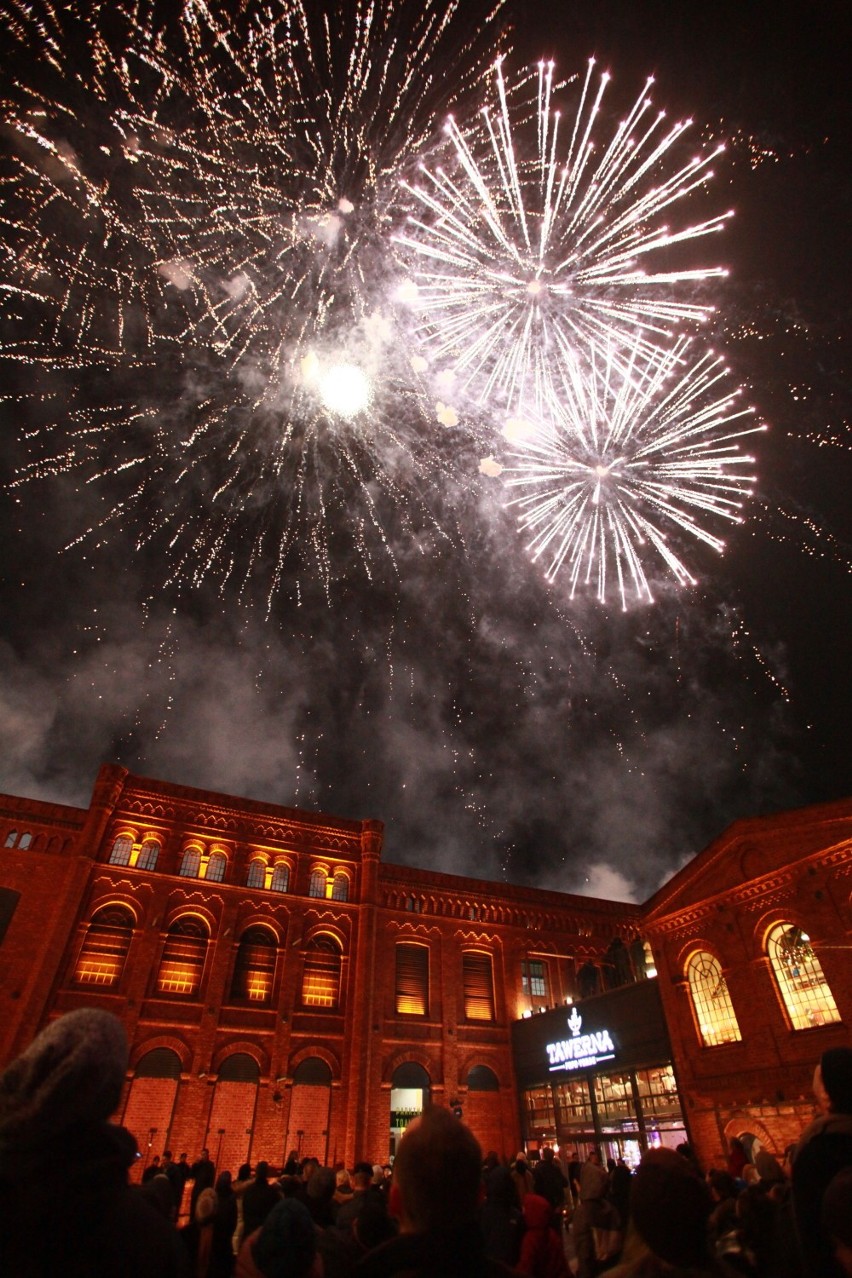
<point x="71" y="1074"/>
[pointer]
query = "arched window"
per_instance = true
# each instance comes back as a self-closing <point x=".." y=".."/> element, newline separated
<point x="148" y="854"/>
<point x="239" y="1067"/>
<point x="319" y="878"/>
<point x="280" y="877"/>
<point x="478" y="986"/>
<point x="482" y="1079"/>
<point x="101" y="959"/>
<point x="121" y="849"/>
<point x="254" y="968"/>
<point x="412" y="979"/>
<point x="312" y="1072"/>
<point x="256" y="876"/>
<point x="216" y="867"/>
<point x="190" y="863"/>
<point x="340" y="887"/>
<point x="799" y="974"/>
<point x="184" y="952"/>
<point x="160" y="1062"/>
<point x="11" y="839"/>
<point x="715" y="1018"/>
<point x="25" y="841"/>
<point x="321" y="981"/>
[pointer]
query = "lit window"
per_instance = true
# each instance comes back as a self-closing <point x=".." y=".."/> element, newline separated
<point x="340" y="887"/>
<point x="148" y="855"/>
<point x="478" y="984"/>
<point x="216" y="867"/>
<point x="280" y="877"/>
<point x="190" y="863"/>
<point x="715" y="1018"/>
<point x="25" y="841"/>
<point x="256" y="876"/>
<point x="799" y="974"/>
<point x="255" y="966"/>
<point x="534" y="979"/>
<point x="121" y="849"/>
<point x="321" y="982"/>
<point x="104" y="950"/>
<point x="319" y="878"/>
<point x="412" y="980"/>
<point x="184" y="952"/>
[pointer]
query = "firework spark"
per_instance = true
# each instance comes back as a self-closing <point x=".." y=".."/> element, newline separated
<point x="526" y="245"/>
<point x="641" y="454"/>
<point x="197" y="203"/>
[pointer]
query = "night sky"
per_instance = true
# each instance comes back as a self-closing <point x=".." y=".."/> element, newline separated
<point x="435" y="680"/>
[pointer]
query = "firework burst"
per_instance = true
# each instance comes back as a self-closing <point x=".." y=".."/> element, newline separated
<point x="641" y="455"/>
<point x="197" y="201"/>
<point x="532" y="240"/>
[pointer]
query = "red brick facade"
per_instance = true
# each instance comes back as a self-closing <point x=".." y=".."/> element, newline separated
<point x="296" y="1035"/>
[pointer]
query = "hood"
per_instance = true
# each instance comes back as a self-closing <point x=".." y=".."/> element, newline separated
<point x="537" y="1212"/>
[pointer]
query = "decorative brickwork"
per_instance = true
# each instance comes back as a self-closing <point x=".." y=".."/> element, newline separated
<point x="325" y="1067"/>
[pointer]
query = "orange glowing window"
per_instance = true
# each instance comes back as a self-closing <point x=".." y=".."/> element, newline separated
<point x="254" y="968"/>
<point x="182" y="963"/>
<point x="216" y="867"/>
<point x="101" y="959"/>
<point x="280" y="877"/>
<point x="478" y="986"/>
<point x="148" y="854"/>
<point x="190" y="864"/>
<point x="256" y="876"/>
<point x="121" y="849"/>
<point x="317" y="885"/>
<point x="801" y="980"/>
<point x="321" y="981"/>
<point x="711" y="1002"/>
<point x="412" y="979"/>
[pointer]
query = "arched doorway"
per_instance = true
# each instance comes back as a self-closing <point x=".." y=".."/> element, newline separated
<point x="309" y="1109"/>
<point x="410" y="1089"/>
<point x="150" y="1104"/>
<point x="231" y="1122"/>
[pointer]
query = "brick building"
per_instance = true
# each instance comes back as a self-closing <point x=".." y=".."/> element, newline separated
<point x="284" y="988"/>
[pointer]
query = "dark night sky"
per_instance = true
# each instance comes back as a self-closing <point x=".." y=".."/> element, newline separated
<point x="496" y="727"/>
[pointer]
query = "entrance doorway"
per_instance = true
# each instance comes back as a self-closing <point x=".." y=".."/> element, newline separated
<point x="410" y="1090"/>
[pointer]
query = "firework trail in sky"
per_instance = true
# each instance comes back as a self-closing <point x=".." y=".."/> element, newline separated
<point x="642" y="450"/>
<point x="532" y="240"/>
<point x="194" y="272"/>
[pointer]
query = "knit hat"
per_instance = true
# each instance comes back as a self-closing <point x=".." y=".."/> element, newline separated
<point x="836" y="1069"/>
<point x="70" y="1075"/>
<point x="670" y="1205"/>
<point x="287" y="1244"/>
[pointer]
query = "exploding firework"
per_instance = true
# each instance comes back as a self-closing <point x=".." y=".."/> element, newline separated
<point x="532" y="240"/>
<point x="197" y="203"/>
<point x="640" y="456"/>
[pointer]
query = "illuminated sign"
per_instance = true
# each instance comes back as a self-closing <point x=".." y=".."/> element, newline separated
<point x="580" y="1051"/>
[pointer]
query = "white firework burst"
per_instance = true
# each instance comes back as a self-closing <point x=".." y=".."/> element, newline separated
<point x="532" y="239"/>
<point x="641" y="458"/>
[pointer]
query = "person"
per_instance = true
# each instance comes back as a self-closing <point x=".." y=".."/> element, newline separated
<point x="435" y="1195"/>
<point x="737" y="1158"/>
<point x="501" y="1216"/>
<point x="522" y="1177"/>
<point x="837" y="1218"/>
<point x="239" y="1186"/>
<point x="361" y="1180"/>
<point x="203" y="1174"/>
<point x="669" y="1209"/>
<point x="542" y="1254"/>
<point x="549" y="1180"/>
<point x="285" y="1246"/>
<point x="226" y="1205"/>
<point x="825" y="1148"/>
<point x="258" y="1200"/>
<point x="207" y="1240"/>
<point x="66" y="1204"/>
<point x="152" y="1170"/>
<point x="593" y="1212"/>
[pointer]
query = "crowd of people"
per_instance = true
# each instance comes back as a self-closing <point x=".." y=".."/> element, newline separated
<point x="68" y="1209"/>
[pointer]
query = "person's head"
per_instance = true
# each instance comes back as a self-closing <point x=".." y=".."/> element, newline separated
<point x="205" y="1207"/>
<point x="669" y="1206"/>
<point x="223" y="1182"/>
<point x="721" y="1184"/>
<point x="286" y="1246"/>
<point x="167" y="1155"/>
<point x="245" y="1172"/>
<point x="183" y="1157"/>
<point x="595" y="1157"/>
<point x="262" y="1172"/>
<point x="833" y="1081"/>
<point x="362" y="1175"/>
<point x="155" y="1161"/>
<point x="437" y="1173"/>
<point x="547" y="1154"/>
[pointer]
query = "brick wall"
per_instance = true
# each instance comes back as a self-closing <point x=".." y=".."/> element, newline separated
<point x="309" y="1111"/>
<point x="150" y="1104"/>
<point x="233" y="1110"/>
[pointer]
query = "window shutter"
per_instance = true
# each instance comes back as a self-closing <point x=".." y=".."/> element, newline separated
<point x="478" y="987"/>
<point x="412" y="980"/>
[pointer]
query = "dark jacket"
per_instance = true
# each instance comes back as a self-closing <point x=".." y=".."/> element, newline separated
<point x="450" y="1254"/>
<point x="825" y="1148"/>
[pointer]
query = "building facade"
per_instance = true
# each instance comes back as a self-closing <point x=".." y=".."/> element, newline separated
<point x="284" y="989"/>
